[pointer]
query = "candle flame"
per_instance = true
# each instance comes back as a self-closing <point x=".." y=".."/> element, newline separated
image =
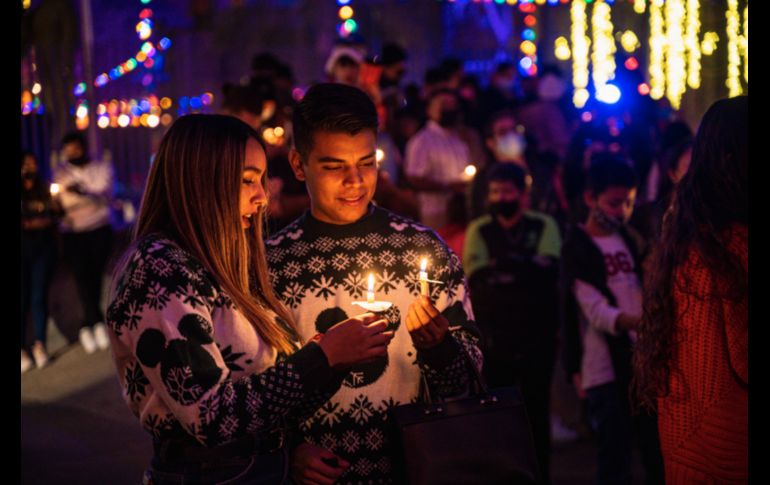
<point x="371" y="282"/>
<point x="55" y="189"/>
<point x="423" y="264"/>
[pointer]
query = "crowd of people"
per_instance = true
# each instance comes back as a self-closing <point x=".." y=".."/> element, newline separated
<point x="612" y="240"/>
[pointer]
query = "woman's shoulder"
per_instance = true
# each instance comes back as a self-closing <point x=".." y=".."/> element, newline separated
<point x="159" y="265"/>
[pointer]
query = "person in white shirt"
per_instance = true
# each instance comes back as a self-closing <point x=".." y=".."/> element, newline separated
<point x="436" y="158"/>
<point x="602" y="283"/>
<point x="85" y="196"/>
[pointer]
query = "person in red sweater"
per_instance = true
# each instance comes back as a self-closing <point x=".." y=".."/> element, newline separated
<point x="691" y="360"/>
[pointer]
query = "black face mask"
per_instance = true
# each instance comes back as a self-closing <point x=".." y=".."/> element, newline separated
<point x="29" y="176"/>
<point x="507" y="209"/>
<point x="449" y="118"/>
<point x="80" y="161"/>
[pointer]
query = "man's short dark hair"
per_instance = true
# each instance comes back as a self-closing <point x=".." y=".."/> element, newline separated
<point x="609" y="170"/>
<point x="496" y="116"/>
<point x="75" y="137"/>
<point x="509" y="172"/>
<point x="392" y="53"/>
<point x="331" y="107"/>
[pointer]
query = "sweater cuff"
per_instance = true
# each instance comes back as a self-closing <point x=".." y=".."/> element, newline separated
<point x="313" y="368"/>
<point x="442" y="355"/>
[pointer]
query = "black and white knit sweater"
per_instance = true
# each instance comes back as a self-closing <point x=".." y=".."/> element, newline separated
<point x="318" y="270"/>
<point x="191" y="366"/>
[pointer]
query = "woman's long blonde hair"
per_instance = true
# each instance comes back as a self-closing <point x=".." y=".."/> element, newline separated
<point x="193" y="196"/>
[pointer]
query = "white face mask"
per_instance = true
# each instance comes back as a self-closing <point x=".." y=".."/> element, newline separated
<point x="510" y="146"/>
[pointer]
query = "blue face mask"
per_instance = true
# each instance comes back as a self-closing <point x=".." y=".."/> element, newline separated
<point x="606" y="222"/>
<point x="510" y="146"/>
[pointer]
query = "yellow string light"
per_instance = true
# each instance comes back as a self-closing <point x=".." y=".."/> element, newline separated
<point x="676" y="71"/>
<point x="657" y="51"/>
<point x="561" y="49"/>
<point x="639" y="6"/>
<point x="692" y="45"/>
<point x="733" y="52"/>
<point x="709" y="44"/>
<point x="745" y="43"/>
<point x="603" y="56"/>
<point x="629" y="41"/>
<point x="580" y="44"/>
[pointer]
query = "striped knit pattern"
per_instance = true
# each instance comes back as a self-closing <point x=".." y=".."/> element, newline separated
<point x="703" y="422"/>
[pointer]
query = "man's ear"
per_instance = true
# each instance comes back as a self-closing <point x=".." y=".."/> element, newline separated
<point x="295" y="160"/>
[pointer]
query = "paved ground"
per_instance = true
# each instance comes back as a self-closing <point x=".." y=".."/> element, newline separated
<point x="76" y="428"/>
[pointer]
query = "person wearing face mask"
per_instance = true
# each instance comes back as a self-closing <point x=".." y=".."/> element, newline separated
<point x="507" y="144"/>
<point x="500" y="93"/>
<point x="39" y="214"/>
<point x="436" y="158"/>
<point x="85" y="197"/>
<point x="511" y="258"/>
<point x="601" y="286"/>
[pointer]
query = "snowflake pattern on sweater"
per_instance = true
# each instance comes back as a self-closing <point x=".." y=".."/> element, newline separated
<point x="191" y="366"/>
<point x="319" y="270"/>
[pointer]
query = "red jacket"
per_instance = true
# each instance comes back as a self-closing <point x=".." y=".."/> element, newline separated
<point x="703" y="422"/>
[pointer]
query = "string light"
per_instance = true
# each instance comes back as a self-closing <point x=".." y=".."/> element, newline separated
<point x="345" y="12"/>
<point x="629" y="41"/>
<point x="561" y="49"/>
<point x="733" y="51"/>
<point x="580" y="44"/>
<point x="148" y="111"/>
<point x="692" y="45"/>
<point x="745" y="43"/>
<point x="676" y="70"/>
<point x="709" y="44"/>
<point x="528" y="46"/>
<point x="640" y="6"/>
<point x="657" y="50"/>
<point x="603" y="56"/>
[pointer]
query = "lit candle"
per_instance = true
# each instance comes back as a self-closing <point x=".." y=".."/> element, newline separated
<point x="424" y="277"/>
<point x="370" y="289"/>
<point x="469" y="172"/>
<point x="55" y="189"/>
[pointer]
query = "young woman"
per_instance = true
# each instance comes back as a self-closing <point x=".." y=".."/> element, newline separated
<point x="691" y="359"/>
<point x="206" y="354"/>
<point x="39" y="214"/>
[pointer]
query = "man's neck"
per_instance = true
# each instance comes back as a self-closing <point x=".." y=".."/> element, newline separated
<point x="595" y="230"/>
<point x="509" y="222"/>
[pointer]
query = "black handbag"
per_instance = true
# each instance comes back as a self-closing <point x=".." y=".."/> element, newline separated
<point x="484" y="438"/>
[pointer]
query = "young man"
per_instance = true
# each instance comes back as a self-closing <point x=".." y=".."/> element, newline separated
<point x="602" y="285"/>
<point x="86" y="193"/>
<point x="320" y="265"/>
<point x="511" y="257"/>
<point x="436" y="157"/>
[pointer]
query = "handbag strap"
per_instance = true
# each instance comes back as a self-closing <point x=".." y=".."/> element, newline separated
<point x="476" y="378"/>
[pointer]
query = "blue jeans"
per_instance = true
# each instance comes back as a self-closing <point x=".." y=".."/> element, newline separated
<point x="271" y="469"/>
<point x="37" y="262"/>
<point x="611" y="421"/>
